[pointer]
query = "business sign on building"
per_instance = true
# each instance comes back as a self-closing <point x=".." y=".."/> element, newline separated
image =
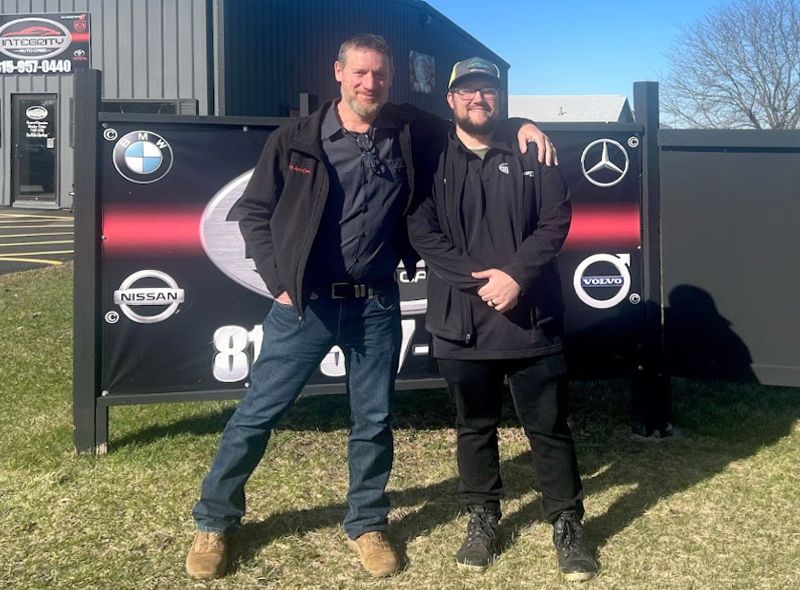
<point x="44" y="43"/>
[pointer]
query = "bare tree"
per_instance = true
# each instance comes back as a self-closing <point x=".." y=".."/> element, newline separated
<point x="738" y="67"/>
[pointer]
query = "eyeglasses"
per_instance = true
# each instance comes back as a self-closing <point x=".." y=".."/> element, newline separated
<point x="366" y="144"/>
<point x="469" y="93"/>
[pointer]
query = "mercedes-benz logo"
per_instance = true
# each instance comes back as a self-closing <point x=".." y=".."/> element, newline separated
<point x="606" y="171"/>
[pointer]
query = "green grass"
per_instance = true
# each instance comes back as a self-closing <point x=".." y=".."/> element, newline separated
<point x="711" y="508"/>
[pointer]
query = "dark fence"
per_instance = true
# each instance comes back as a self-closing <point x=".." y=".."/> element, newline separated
<point x="730" y="211"/>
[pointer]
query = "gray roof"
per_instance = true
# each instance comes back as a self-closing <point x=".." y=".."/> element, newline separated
<point x="571" y="108"/>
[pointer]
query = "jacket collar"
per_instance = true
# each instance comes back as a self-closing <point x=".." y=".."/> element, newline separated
<point x="308" y="138"/>
<point x="496" y="143"/>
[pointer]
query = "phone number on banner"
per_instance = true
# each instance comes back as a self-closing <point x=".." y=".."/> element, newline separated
<point x="29" y="66"/>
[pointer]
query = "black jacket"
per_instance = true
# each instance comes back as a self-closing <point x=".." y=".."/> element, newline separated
<point x="279" y="212"/>
<point x="541" y="202"/>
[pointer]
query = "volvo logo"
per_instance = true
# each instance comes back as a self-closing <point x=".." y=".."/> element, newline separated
<point x="167" y="294"/>
<point x="34" y="38"/>
<point x="142" y="157"/>
<point x="591" y="287"/>
<point x="604" y="162"/>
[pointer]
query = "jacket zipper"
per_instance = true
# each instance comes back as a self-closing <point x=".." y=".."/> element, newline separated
<point x="460" y="174"/>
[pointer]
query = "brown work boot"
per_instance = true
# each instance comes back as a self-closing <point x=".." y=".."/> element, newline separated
<point x="375" y="553"/>
<point x="208" y="557"/>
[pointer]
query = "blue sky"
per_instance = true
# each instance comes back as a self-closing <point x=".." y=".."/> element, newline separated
<point x="577" y="46"/>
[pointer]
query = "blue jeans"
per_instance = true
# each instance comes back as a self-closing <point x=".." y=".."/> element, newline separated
<point x="368" y="331"/>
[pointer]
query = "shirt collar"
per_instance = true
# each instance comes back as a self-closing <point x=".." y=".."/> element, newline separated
<point x="332" y="129"/>
<point x="330" y="124"/>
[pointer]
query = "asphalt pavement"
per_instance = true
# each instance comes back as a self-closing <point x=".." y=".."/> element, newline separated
<point x="33" y="238"/>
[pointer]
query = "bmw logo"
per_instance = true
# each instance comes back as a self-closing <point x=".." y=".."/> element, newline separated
<point x="142" y="157"/>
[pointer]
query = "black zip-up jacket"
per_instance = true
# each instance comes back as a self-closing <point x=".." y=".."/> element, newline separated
<point x="279" y="212"/>
<point x="541" y="203"/>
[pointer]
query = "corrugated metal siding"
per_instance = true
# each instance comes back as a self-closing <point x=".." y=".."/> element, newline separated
<point x="571" y="108"/>
<point x="145" y="48"/>
<point x="276" y="50"/>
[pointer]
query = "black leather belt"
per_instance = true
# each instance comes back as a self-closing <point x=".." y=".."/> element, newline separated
<point x="351" y="291"/>
<point x="344" y="291"/>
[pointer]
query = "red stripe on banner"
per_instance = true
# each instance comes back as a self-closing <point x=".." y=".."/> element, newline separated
<point x="155" y="231"/>
<point x="79" y="37"/>
<point x="177" y="230"/>
<point x="603" y="225"/>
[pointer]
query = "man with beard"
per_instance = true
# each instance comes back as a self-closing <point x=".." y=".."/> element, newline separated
<point x="323" y="218"/>
<point x="490" y="232"/>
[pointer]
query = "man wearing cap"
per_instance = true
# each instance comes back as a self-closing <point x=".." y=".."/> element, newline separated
<point x="323" y="218"/>
<point x="490" y="232"/>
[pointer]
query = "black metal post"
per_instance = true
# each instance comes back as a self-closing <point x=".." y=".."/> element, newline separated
<point x="86" y="279"/>
<point x="651" y="397"/>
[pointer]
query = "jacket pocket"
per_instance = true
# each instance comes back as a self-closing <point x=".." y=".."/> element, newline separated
<point x="443" y="317"/>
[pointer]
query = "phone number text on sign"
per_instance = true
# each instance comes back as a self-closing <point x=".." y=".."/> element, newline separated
<point x="29" y="66"/>
<point x="236" y="349"/>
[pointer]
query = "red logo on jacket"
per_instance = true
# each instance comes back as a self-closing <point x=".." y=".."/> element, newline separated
<point x="299" y="169"/>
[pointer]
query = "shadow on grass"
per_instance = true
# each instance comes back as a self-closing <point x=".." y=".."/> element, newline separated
<point x="438" y="507"/>
<point x="211" y="422"/>
<point x="719" y="423"/>
<point x="417" y="409"/>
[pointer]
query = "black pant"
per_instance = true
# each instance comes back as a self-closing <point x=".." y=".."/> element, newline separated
<point x="538" y="388"/>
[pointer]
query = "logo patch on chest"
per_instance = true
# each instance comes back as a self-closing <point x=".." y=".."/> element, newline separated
<point x="299" y="169"/>
<point x="503" y="167"/>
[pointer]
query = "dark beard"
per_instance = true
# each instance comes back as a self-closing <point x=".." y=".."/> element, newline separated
<point x="479" y="129"/>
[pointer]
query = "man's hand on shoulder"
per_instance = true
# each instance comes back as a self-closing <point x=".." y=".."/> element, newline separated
<point x="500" y="291"/>
<point x="530" y="133"/>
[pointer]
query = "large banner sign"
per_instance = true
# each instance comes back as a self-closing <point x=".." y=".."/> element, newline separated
<point x="601" y="263"/>
<point x="44" y="43"/>
<point x="182" y="305"/>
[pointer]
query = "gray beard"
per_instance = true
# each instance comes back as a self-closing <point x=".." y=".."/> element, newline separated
<point x="363" y="110"/>
<point x="480" y="129"/>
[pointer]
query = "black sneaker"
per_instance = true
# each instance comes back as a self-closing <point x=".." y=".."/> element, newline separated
<point x="479" y="549"/>
<point x="574" y="559"/>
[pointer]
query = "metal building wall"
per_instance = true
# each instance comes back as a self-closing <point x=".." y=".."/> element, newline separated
<point x="275" y="50"/>
<point x="145" y="48"/>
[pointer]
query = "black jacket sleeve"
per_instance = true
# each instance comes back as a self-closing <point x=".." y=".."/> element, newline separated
<point x="437" y="250"/>
<point x="554" y="214"/>
<point x="255" y="208"/>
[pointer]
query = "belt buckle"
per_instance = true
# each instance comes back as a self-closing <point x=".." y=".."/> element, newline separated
<point x="354" y="291"/>
<point x="333" y="290"/>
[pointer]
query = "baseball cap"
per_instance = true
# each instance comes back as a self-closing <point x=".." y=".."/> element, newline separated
<point x="472" y="67"/>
